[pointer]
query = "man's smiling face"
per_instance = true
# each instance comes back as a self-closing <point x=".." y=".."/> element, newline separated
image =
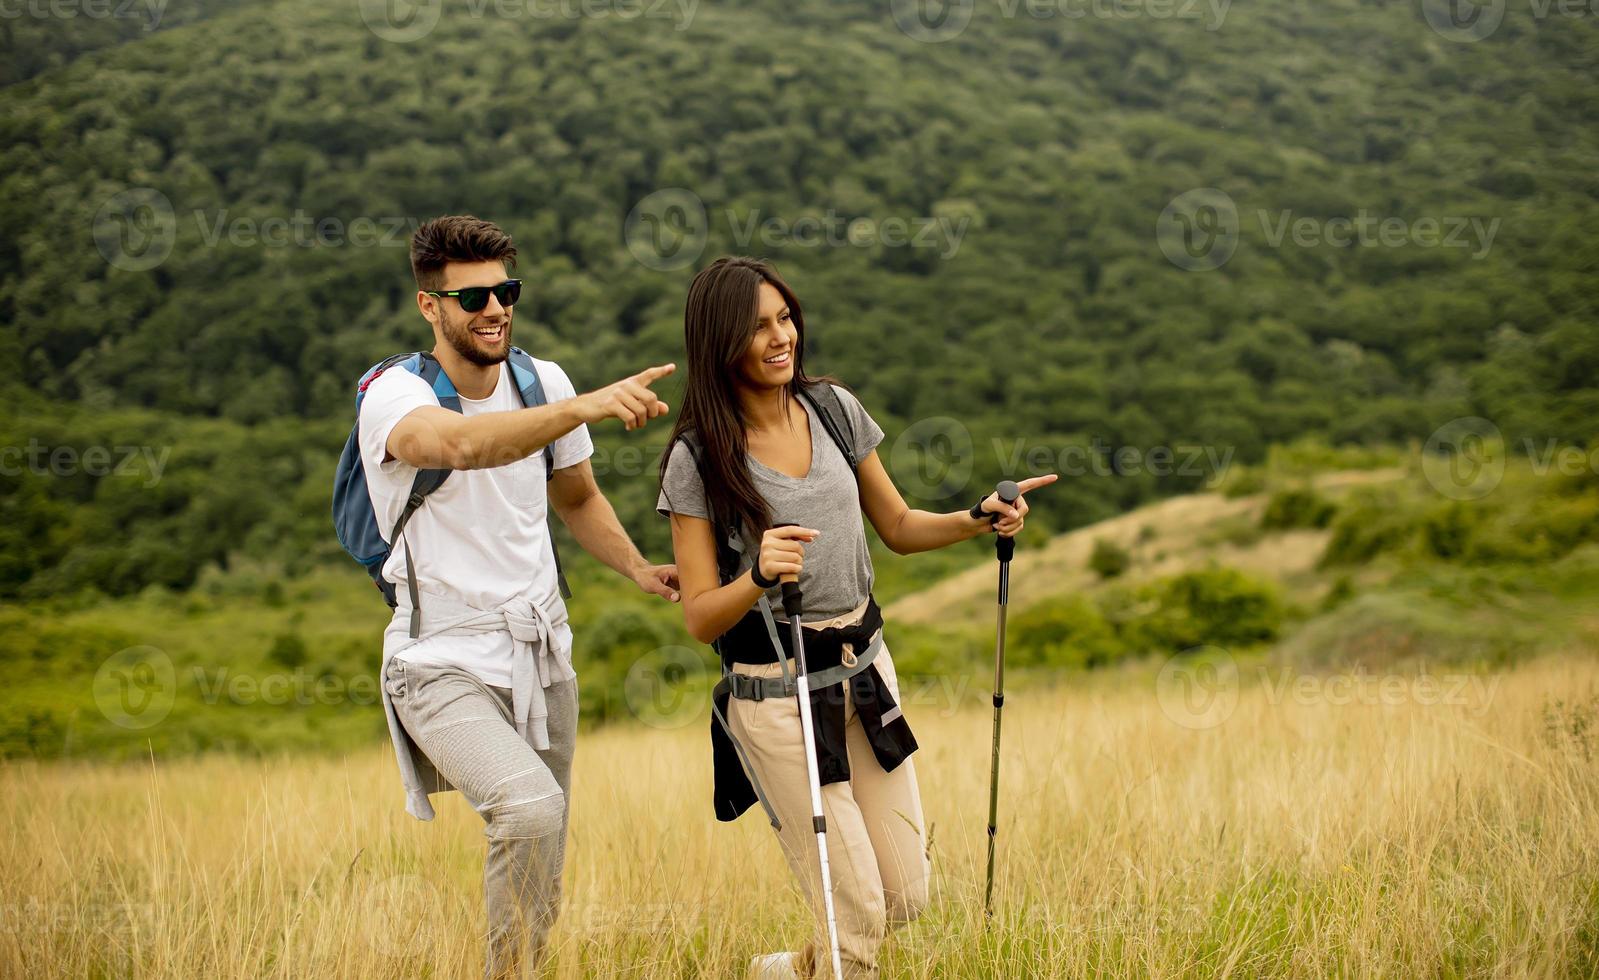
<point x="484" y="337"/>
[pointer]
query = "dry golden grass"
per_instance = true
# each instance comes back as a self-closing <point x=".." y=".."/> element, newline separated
<point x="1299" y="837"/>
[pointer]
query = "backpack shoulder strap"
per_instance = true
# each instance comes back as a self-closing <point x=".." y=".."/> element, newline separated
<point x="425" y="482"/>
<point x="834" y="419"/>
<point x="525" y="374"/>
<point x="729" y="545"/>
<point x="372" y="373"/>
<point x="431" y="371"/>
<point x="427" y="367"/>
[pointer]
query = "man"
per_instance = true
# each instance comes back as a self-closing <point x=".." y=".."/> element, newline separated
<point x="478" y="685"/>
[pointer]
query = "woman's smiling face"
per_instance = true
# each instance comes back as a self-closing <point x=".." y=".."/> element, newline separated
<point x="768" y="361"/>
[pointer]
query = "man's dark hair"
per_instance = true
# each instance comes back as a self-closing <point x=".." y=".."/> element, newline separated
<point x="456" y="238"/>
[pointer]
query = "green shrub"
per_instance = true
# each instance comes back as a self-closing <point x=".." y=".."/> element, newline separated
<point x="1214" y="606"/>
<point x="1301" y="507"/>
<point x="1241" y="481"/>
<point x="1447" y="531"/>
<point x="1366" y="530"/>
<point x="1109" y="559"/>
<point x="1566" y="522"/>
<point x="1341" y="591"/>
<point x="288" y="649"/>
<point x="1063" y="632"/>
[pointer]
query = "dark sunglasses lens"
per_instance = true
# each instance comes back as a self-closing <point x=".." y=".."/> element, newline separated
<point x="508" y="293"/>
<point x="474" y="298"/>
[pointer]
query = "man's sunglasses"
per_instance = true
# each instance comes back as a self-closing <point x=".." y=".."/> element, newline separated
<point x="474" y="298"/>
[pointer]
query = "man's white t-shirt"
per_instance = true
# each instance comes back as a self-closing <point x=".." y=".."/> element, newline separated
<point x="481" y="538"/>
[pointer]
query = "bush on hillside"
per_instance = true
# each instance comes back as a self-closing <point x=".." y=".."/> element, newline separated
<point x="1109" y="559"/>
<point x="1297" y="508"/>
<point x="1213" y="606"/>
<point x="1365" y="528"/>
<point x="1066" y="631"/>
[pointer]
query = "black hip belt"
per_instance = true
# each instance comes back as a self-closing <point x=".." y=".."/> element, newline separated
<point x="746" y="688"/>
<point x="753" y="640"/>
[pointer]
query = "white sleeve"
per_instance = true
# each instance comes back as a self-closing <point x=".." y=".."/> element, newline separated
<point x="575" y="446"/>
<point x="395" y="394"/>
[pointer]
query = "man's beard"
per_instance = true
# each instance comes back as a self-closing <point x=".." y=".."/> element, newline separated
<point x="460" y="337"/>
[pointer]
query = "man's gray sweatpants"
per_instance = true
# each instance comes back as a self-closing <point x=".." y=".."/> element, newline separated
<point x="465" y="728"/>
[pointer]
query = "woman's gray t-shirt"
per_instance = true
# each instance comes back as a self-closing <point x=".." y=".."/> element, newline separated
<point x="838" y="567"/>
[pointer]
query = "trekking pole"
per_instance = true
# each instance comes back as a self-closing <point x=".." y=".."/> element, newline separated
<point x="1004" y="548"/>
<point x="791" y="605"/>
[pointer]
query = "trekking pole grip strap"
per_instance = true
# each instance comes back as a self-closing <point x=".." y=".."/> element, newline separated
<point x="760" y="580"/>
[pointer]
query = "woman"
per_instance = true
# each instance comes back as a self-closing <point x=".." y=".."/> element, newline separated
<point x="759" y="486"/>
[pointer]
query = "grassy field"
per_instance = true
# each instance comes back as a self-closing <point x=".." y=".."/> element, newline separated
<point x="1400" y="780"/>
<point x="1277" y="825"/>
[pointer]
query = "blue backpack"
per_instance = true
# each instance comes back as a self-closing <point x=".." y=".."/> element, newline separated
<point x="353" y="517"/>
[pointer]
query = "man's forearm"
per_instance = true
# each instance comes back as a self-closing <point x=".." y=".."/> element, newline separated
<point x="432" y="437"/>
<point x="498" y="438"/>
<point x="594" y="525"/>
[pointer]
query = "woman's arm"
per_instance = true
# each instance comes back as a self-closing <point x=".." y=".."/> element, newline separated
<point x="907" y="531"/>
<point x="709" y="608"/>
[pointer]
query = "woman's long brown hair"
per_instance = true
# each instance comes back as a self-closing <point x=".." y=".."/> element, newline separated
<point x="719" y="320"/>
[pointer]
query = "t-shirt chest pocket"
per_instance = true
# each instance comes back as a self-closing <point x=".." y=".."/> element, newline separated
<point x="522" y="482"/>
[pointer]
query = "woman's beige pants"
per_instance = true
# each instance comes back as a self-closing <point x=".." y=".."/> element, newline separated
<point x="876" y="847"/>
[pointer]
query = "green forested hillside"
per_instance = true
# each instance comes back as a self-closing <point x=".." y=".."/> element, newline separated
<point x="37" y="36"/>
<point x="1054" y="317"/>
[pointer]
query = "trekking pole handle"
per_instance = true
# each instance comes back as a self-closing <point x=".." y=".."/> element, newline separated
<point x="791" y="589"/>
<point x="791" y="596"/>
<point x="1008" y="492"/>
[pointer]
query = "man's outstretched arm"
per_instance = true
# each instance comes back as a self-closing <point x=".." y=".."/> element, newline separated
<point x="433" y="437"/>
